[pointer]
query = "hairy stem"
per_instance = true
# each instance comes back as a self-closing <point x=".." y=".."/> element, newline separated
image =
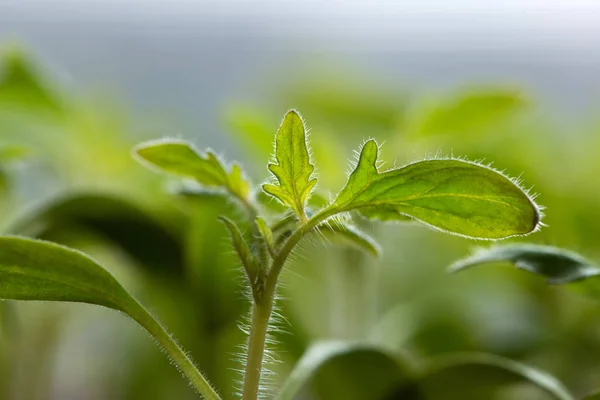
<point x="263" y="306"/>
<point x="177" y="354"/>
<point x="261" y="313"/>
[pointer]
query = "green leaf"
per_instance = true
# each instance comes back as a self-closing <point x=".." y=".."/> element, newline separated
<point x="557" y="265"/>
<point x="472" y="376"/>
<point x="473" y="111"/>
<point x="22" y="88"/>
<point x="37" y="270"/>
<point x="454" y="196"/>
<point x="242" y="250"/>
<point x="267" y="235"/>
<point x="293" y="169"/>
<point x="386" y="372"/>
<point x="350" y="235"/>
<point x="149" y="240"/>
<point x="181" y="158"/>
<point x="592" y="396"/>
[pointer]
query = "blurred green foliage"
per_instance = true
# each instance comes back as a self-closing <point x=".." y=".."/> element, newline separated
<point x="76" y="184"/>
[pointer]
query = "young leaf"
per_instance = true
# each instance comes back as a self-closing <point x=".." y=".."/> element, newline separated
<point x="325" y="352"/>
<point x="181" y="158"/>
<point x="460" y="376"/>
<point x="451" y="195"/>
<point x="350" y="235"/>
<point x="557" y="265"/>
<point x="293" y="169"/>
<point x="242" y="249"/>
<point x="267" y="235"/>
<point x="38" y="270"/>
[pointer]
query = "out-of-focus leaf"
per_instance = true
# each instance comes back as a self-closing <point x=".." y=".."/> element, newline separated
<point x="294" y="168"/>
<point x="382" y="213"/>
<point x="11" y="152"/>
<point x="242" y="249"/>
<point x="592" y="396"/>
<point x="253" y="129"/>
<point x="472" y="376"/>
<point x="557" y="265"/>
<point x="367" y="372"/>
<point x="181" y="158"/>
<point x="32" y="269"/>
<point x="350" y="235"/>
<point x="144" y="237"/>
<point x="473" y="110"/>
<point x="454" y="196"/>
<point x="348" y="102"/>
<point x="22" y="90"/>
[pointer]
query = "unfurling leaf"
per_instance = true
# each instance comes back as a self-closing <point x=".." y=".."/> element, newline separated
<point x="38" y="270"/>
<point x="451" y="195"/>
<point x="293" y="169"/>
<point x="181" y="158"/>
<point x="350" y="235"/>
<point x="557" y="265"/>
<point x="242" y="249"/>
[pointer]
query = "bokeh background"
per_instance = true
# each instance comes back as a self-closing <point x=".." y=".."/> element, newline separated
<point x="511" y="82"/>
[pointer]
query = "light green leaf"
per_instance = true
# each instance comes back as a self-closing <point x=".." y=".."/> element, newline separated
<point x="293" y="169"/>
<point x="557" y="265"/>
<point x="242" y="249"/>
<point x="350" y="235"/>
<point x="181" y="158"/>
<point x="474" y="375"/>
<point x="454" y="196"/>
<point x="383" y="213"/>
<point x="322" y="353"/>
<point x="38" y="270"/>
<point x="473" y="111"/>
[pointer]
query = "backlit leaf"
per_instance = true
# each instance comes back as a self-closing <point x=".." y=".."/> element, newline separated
<point x="455" y="196"/>
<point x="182" y="159"/>
<point x="293" y="169"/>
<point x="557" y="265"/>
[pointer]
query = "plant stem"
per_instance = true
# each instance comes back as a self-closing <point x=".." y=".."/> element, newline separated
<point x="263" y="306"/>
<point x="177" y="354"/>
<point x="261" y="313"/>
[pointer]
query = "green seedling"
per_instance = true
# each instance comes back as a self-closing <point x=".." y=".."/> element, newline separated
<point x="451" y="195"/>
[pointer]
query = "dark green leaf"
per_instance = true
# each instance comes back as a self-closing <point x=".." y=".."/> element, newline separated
<point x="368" y="371"/>
<point x="472" y="376"/>
<point x="557" y="265"/>
<point x="147" y="239"/>
<point x="451" y="195"/>
<point x="182" y="159"/>
<point x="38" y="270"/>
<point x="293" y="169"/>
<point x="592" y="396"/>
